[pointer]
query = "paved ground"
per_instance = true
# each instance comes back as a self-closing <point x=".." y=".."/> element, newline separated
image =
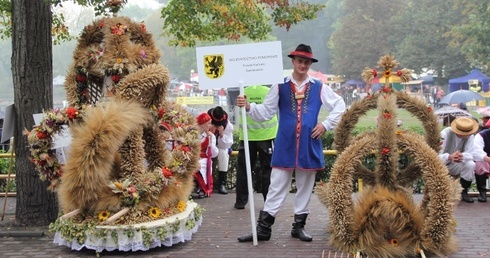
<point x="222" y="224"/>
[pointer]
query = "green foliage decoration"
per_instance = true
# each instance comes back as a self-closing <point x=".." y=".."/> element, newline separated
<point x="147" y="236"/>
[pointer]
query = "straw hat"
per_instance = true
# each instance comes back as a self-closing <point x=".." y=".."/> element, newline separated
<point x="464" y="126"/>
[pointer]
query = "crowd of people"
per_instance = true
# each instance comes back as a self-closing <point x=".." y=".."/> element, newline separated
<point x="284" y="137"/>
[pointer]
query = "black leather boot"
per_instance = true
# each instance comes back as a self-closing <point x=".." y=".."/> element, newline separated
<point x="298" y="230"/>
<point x="222" y="183"/>
<point x="464" y="194"/>
<point x="481" y="185"/>
<point x="264" y="224"/>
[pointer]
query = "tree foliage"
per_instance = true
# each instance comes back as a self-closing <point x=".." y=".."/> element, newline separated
<point x="5" y="19"/>
<point x="59" y="30"/>
<point x="189" y="21"/>
<point x="424" y="29"/>
<point x="472" y="35"/>
<point x="363" y="35"/>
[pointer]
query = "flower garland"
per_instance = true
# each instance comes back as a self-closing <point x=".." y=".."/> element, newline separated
<point x="40" y="139"/>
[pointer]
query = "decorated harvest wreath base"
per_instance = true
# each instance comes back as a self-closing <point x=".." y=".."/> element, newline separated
<point x="384" y="221"/>
<point x="120" y="179"/>
<point x="136" y="237"/>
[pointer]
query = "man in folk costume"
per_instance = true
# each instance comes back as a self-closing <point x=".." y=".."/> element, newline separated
<point x="204" y="176"/>
<point x="298" y="146"/>
<point x="223" y="130"/>
<point x="457" y="151"/>
<point x="482" y="160"/>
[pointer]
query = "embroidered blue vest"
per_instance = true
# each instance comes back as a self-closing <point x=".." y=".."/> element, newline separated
<point x="294" y="146"/>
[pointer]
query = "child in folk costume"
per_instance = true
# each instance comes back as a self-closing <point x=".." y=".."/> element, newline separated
<point x="204" y="176"/>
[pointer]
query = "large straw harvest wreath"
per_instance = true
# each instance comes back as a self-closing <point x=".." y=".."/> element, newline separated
<point x="384" y="220"/>
<point x="120" y="188"/>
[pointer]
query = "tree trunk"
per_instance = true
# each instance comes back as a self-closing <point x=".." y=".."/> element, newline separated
<point x="32" y="74"/>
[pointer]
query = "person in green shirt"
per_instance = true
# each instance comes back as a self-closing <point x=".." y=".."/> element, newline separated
<point x="261" y="137"/>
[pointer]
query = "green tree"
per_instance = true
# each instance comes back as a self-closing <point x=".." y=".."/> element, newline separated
<point x="472" y="35"/>
<point x="32" y="76"/>
<point x="424" y="29"/>
<point x="190" y="21"/>
<point x="320" y="27"/>
<point x="362" y="35"/>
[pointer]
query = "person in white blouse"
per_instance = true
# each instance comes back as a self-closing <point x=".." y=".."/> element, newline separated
<point x="457" y="152"/>
<point x="298" y="146"/>
<point x="204" y="177"/>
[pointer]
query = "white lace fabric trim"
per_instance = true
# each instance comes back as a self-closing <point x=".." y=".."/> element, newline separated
<point x="135" y="242"/>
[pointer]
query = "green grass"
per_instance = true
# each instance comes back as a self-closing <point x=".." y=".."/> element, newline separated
<point x="369" y="120"/>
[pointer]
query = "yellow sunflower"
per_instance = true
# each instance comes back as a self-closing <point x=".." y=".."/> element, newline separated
<point x="181" y="206"/>
<point x="104" y="215"/>
<point x="155" y="212"/>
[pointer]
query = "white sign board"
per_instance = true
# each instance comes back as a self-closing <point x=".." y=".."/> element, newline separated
<point x="225" y="66"/>
<point x="62" y="139"/>
<point x="8" y="123"/>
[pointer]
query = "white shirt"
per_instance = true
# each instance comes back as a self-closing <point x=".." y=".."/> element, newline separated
<point x="212" y="144"/>
<point x="331" y="101"/>
<point x="469" y="147"/>
<point x="479" y="144"/>
<point x="226" y="141"/>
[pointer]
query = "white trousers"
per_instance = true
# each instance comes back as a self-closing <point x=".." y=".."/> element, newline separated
<point x="223" y="160"/>
<point x="203" y="162"/>
<point x="280" y="186"/>
<point x="465" y="169"/>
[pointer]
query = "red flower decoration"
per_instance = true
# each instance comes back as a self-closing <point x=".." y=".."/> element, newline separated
<point x="71" y="112"/>
<point x="386" y="89"/>
<point x="116" y="78"/>
<point x="161" y="112"/>
<point x="167" y="173"/>
<point x="399" y="73"/>
<point x="81" y="78"/>
<point x="385" y="151"/>
<point x="375" y="73"/>
<point x="42" y="135"/>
